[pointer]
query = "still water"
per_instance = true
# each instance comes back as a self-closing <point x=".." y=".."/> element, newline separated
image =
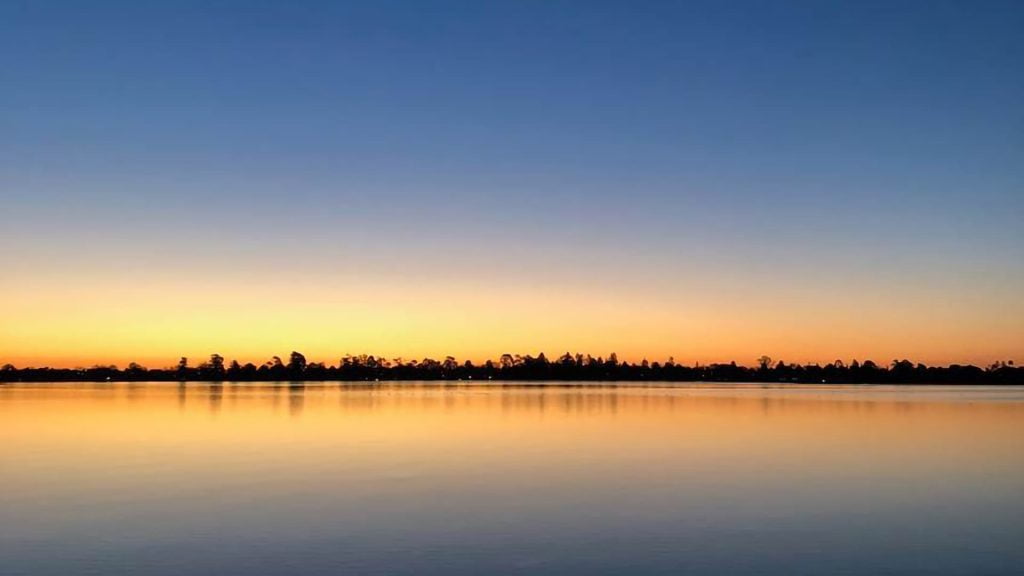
<point x="433" y="479"/>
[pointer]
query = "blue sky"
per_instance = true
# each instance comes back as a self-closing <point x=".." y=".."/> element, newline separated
<point x="869" y="145"/>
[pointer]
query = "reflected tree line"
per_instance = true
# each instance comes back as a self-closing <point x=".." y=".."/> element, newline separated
<point x="568" y="367"/>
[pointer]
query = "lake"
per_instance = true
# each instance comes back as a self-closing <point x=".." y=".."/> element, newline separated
<point x="428" y="478"/>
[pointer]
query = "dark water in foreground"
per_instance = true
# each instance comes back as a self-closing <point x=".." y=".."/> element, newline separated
<point x="426" y="479"/>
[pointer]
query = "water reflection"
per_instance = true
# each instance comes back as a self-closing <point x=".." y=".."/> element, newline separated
<point x="455" y="478"/>
<point x="296" y="398"/>
<point x="581" y="399"/>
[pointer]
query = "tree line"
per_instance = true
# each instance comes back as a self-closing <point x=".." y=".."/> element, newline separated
<point x="568" y="367"/>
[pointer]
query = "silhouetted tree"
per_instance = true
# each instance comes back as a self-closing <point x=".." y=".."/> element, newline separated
<point x="182" y="371"/>
<point x="296" y="363"/>
<point x="513" y="367"/>
<point x="216" y="366"/>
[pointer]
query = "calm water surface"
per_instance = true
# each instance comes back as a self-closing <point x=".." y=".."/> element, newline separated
<point x="427" y="479"/>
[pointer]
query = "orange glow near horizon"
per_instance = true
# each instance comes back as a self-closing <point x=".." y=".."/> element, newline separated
<point x="411" y="181"/>
<point x="95" y="321"/>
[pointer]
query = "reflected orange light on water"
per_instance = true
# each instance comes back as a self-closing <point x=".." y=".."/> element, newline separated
<point x="448" y="431"/>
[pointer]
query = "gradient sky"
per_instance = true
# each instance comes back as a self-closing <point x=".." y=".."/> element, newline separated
<point x="709" y="181"/>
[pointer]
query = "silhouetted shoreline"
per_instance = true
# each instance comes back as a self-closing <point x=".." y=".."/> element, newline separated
<point x="567" y="367"/>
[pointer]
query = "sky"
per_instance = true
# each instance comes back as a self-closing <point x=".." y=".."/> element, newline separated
<point x="708" y="181"/>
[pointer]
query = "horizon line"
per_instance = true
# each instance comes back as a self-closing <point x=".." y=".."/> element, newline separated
<point x="390" y="361"/>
